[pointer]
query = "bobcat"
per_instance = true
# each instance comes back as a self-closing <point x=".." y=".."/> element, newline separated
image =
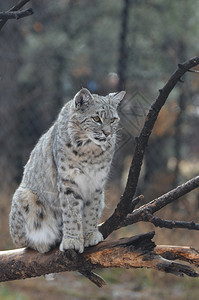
<point x="61" y="196"/>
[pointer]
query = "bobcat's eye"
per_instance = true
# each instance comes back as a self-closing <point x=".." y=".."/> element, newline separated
<point x="113" y="120"/>
<point x="97" y="119"/>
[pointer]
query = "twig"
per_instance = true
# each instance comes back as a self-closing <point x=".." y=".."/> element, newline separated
<point x="170" y="224"/>
<point x="18" y="6"/>
<point x="93" y="277"/>
<point x="136" y="201"/>
<point x="16" y="15"/>
<point x="193" y="71"/>
<point x="75" y="258"/>
<point x="124" y="207"/>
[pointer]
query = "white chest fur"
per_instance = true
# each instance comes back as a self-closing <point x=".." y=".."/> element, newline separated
<point x="89" y="180"/>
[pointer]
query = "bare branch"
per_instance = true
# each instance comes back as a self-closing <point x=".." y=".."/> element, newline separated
<point x="158" y="222"/>
<point x="19" y="5"/>
<point x="93" y="277"/>
<point x="13" y="9"/>
<point x="142" y="213"/>
<point x="193" y="71"/>
<point x="134" y="252"/>
<point x="96" y="279"/>
<point x="124" y="207"/>
<point x="16" y="15"/>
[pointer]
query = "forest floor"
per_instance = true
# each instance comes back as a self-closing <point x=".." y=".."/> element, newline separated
<point x="121" y="285"/>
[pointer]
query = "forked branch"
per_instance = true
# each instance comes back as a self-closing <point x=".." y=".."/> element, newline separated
<point x="145" y="212"/>
<point x="124" y="207"/>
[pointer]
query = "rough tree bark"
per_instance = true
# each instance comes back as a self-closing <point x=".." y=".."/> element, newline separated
<point x="135" y="252"/>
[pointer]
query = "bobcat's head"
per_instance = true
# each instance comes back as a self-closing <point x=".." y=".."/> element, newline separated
<point x="94" y="117"/>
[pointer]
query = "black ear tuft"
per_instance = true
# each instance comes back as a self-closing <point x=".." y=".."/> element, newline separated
<point x="83" y="99"/>
<point x="79" y="100"/>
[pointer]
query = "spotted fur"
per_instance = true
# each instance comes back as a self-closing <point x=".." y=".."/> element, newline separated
<point x="61" y="196"/>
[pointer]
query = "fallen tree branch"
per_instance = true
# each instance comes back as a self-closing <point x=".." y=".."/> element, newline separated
<point x="124" y="207"/>
<point x="134" y="252"/>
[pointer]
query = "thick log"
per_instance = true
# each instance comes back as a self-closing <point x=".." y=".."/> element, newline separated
<point x="133" y="252"/>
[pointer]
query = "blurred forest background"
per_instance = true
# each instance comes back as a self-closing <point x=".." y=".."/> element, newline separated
<point x="105" y="46"/>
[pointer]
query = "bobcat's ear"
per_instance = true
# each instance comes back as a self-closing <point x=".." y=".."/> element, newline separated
<point x="83" y="99"/>
<point x="116" y="98"/>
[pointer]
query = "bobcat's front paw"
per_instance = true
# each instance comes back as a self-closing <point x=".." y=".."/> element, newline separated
<point x="72" y="243"/>
<point x="93" y="238"/>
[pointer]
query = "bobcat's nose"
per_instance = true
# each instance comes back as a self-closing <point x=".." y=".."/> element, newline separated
<point x="106" y="133"/>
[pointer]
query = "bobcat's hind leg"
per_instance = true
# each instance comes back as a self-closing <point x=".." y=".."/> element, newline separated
<point x="31" y="225"/>
<point x="17" y="227"/>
